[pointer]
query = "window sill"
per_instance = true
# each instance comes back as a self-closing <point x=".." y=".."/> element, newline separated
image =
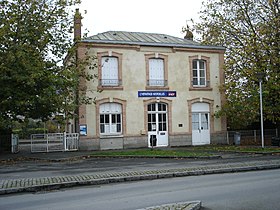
<point x="110" y="88"/>
<point x="200" y="89"/>
<point x="157" y="88"/>
<point x="110" y="136"/>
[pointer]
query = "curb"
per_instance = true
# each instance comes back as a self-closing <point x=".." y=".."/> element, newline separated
<point x="54" y="183"/>
<point x="189" y="205"/>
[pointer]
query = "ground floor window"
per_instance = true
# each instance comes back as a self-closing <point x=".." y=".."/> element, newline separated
<point x="110" y="119"/>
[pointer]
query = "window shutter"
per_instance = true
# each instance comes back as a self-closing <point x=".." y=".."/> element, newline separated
<point x="156" y="72"/>
<point x="110" y="71"/>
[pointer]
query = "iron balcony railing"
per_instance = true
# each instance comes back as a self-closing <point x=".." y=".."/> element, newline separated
<point x="110" y="82"/>
<point x="155" y="82"/>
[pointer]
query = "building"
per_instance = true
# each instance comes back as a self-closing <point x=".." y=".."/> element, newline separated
<point x="157" y="91"/>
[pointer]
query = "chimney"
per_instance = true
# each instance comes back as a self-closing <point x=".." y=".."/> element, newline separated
<point x="77" y="26"/>
<point x="189" y="34"/>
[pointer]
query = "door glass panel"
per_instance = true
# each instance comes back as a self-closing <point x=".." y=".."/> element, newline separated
<point x="149" y="126"/>
<point x="153" y="118"/>
<point x="195" y="121"/>
<point x="160" y="128"/>
<point x="159" y="107"/>
<point x="204" y="121"/>
<point x="164" y="127"/>
<point x="149" y="107"/>
<point x="151" y="122"/>
<point x="159" y="117"/>
<point x="164" y="117"/>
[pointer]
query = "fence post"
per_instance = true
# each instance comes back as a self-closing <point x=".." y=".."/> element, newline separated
<point x="255" y="136"/>
<point x="65" y="141"/>
<point x="276" y="132"/>
<point x="227" y="138"/>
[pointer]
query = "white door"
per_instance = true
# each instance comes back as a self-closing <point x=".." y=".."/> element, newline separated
<point x="200" y="124"/>
<point x="157" y="125"/>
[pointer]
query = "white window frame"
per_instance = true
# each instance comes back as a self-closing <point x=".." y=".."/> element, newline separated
<point x="110" y="126"/>
<point x="200" y="79"/>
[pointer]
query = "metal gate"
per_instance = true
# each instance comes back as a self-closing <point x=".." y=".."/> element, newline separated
<point x="54" y="142"/>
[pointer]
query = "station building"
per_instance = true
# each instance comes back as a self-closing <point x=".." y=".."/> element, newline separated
<point x="153" y="90"/>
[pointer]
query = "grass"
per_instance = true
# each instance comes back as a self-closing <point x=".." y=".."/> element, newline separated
<point x="197" y="151"/>
<point x="230" y="148"/>
<point x="154" y="153"/>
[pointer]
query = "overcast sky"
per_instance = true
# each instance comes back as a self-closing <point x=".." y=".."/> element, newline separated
<point x="151" y="16"/>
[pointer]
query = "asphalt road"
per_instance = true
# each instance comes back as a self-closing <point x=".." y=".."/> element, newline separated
<point x="40" y="168"/>
<point x="250" y="190"/>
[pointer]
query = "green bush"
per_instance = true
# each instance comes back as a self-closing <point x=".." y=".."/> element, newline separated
<point x="26" y="133"/>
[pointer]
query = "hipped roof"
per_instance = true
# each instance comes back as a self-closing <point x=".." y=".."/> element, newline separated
<point x="146" y="39"/>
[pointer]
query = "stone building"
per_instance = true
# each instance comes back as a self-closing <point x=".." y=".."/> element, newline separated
<point x="157" y="91"/>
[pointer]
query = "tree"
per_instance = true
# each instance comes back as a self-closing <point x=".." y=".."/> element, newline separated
<point x="250" y="32"/>
<point x="35" y="36"/>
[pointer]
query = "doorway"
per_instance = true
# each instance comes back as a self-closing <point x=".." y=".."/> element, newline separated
<point x="157" y="125"/>
<point x="200" y="124"/>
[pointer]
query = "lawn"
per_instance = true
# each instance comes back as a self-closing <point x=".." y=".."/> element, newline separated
<point x="192" y="151"/>
<point x="153" y="153"/>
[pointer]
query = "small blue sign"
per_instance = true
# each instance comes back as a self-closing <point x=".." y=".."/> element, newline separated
<point x="156" y="93"/>
<point x="83" y="130"/>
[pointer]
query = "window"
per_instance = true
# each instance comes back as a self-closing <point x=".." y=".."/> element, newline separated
<point x="199" y="73"/>
<point x="156" y="72"/>
<point x="110" y="118"/>
<point x="109" y="70"/>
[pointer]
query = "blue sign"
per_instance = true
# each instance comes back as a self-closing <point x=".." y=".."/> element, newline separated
<point x="156" y="93"/>
<point x="83" y="130"/>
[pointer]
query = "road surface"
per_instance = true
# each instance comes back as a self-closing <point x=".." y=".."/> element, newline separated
<point x="250" y="190"/>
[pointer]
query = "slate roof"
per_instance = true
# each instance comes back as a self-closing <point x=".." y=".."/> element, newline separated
<point x="146" y="39"/>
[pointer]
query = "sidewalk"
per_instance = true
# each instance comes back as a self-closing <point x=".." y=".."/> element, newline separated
<point x="142" y="169"/>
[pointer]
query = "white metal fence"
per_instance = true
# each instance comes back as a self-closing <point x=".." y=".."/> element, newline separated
<point x="53" y="142"/>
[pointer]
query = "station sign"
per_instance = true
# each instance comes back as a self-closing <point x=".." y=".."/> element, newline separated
<point x="146" y="93"/>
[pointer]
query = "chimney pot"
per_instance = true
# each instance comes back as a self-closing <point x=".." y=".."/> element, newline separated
<point x="77" y="25"/>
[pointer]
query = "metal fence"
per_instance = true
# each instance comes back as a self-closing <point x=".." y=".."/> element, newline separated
<point x="53" y="142"/>
<point x="251" y="137"/>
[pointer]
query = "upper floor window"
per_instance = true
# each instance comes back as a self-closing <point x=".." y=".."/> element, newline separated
<point x="109" y="70"/>
<point x="199" y="73"/>
<point x="156" y="71"/>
